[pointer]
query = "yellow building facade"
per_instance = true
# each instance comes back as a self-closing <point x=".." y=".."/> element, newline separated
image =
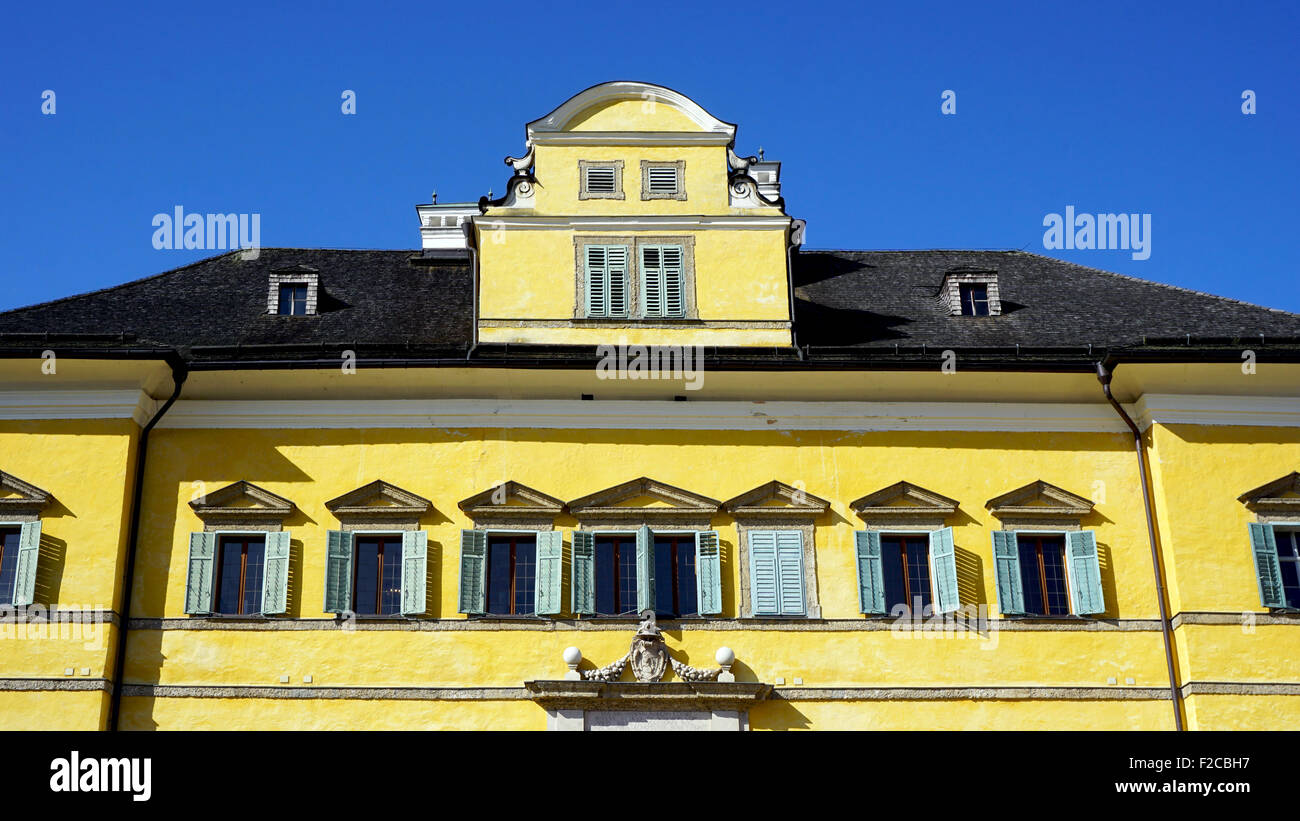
<point x="616" y="451"/>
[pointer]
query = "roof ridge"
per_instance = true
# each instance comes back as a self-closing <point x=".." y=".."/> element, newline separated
<point x="1159" y="284"/>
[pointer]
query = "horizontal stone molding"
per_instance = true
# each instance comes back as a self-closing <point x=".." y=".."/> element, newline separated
<point x="40" y="615"/>
<point x="1113" y="693"/>
<point x="1237" y="619"/>
<point x="1202" y="409"/>
<point x="69" y="684"/>
<point x="338" y="693"/>
<point x="781" y="625"/>
<point x="1240" y="688"/>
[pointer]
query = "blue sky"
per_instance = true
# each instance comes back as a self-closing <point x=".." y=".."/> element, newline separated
<point x="1106" y="107"/>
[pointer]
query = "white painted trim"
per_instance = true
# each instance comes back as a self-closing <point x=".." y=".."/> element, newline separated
<point x="632" y="138"/>
<point x="1203" y="409"/>
<point x="631" y="223"/>
<point x="559" y="119"/>
<point x="119" y="403"/>
<point x="642" y="415"/>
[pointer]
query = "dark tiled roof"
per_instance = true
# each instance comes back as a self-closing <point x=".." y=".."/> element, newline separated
<point x="366" y="297"/>
<point x="884" y="298"/>
<point x="851" y="307"/>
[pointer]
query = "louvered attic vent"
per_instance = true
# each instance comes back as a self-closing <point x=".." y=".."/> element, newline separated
<point x="600" y="180"/>
<point x="663" y="180"/>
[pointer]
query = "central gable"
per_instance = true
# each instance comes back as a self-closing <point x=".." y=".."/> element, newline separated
<point x="645" y="498"/>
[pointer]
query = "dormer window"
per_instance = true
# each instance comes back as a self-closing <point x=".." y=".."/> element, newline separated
<point x="600" y="180"/>
<point x="293" y="291"/>
<point x="293" y="299"/>
<point x="970" y="292"/>
<point x="663" y="180"/>
<point x="974" y="299"/>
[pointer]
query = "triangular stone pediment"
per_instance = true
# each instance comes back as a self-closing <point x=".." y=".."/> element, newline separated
<point x="1039" y="499"/>
<point x="20" y="498"/>
<point x="242" y="499"/>
<point x="1280" y="495"/>
<point x="512" y="499"/>
<point x="776" y="497"/>
<point x="378" y="498"/>
<point x="904" y="498"/>
<point x="643" y="495"/>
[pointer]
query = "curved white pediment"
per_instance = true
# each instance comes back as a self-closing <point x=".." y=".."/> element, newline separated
<point x="579" y="115"/>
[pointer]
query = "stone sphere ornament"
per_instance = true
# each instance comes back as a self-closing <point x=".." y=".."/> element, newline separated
<point x="724" y="657"/>
<point x="573" y="655"/>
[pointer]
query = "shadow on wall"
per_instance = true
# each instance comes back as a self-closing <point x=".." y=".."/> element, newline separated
<point x="49" y="572"/>
<point x="777" y="714"/>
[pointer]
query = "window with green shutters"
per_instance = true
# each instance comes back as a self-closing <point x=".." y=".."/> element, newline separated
<point x="1276" y="552"/>
<point x="905" y="574"/>
<point x="1047" y="573"/>
<point x="507" y="573"/>
<point x="776" y="568"/>
<point x="20" y="548"/>
<point x="238" y="573"/>
<point x="662" y="285"/>
<point x="605" y="273"/>
<point x="376" y="573"/>
<point x="621" y="573"/>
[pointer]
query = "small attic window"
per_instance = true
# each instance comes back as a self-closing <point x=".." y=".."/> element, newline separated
<point x="970" y="292"/>
<point x="974" y="299"/>
<point x="293" y="299"/>
<point x="293" y="291"/>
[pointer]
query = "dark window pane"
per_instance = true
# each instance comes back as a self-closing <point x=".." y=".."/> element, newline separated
<point x="500" y="574"/>
<point x="390" y="600"/>
<point x="254" y="563"/>
<point x="293" y="300"/>
<point x="974" y="299"/>
<point x="1030" y="579"/>
<point x="627" y="576"/>
<point x="664" y="566"/>
<point x="8" y="563"/>
<point x="231" y="557"/>
<point x="918" y="573"/>
<point x="525" y="574"/>
<point x="687" y="600"/>
<point x="1058" y="597"/>
<point x="366" y="553"/>
<point x="606" y="577"/>
<point x="1288" y="553"/>
<point x="891" y="560"/>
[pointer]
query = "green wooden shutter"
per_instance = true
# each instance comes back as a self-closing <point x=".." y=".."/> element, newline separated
<point x="871" y="573"/>
<point x="275" y="573"/>
<point x="673" y="285"/>
<point x="943" y="571"/>
<point x="789" y="565"/>
<point x="415" y="572"/>
<point x="338" y="571"/>
<point x="198" y="579"/>
<point x="473" y="571"/>
<point x="1006" y="569"/>
<point x="550" y="572"/>
<point x="616" y="278"/>
<point x="708" y="573"/>
<point x="29" y="552"/>
<point x="645" y="569"/>
<point x="1084" y="573"/>
<point x="584" y="573"/>
<point x="1268" y="572"/>
<point x="597" y="290"/>
<point x="763" y="573"/>
<point x="652" y="282"/>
